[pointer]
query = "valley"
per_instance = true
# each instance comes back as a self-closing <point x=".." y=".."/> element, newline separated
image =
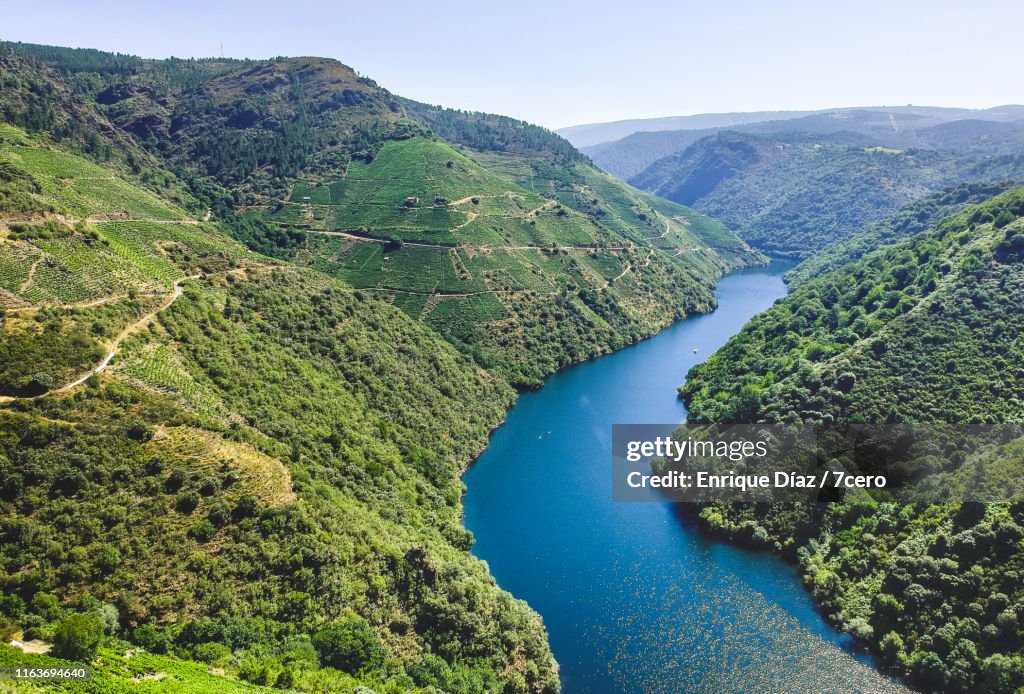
<point x="203" y="437"/>
<point x="293" y="372"/>
<point x="793" y="187"/>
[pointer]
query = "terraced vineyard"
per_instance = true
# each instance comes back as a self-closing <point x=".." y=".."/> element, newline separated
<point x="472" y="243"/>
<point x="102" y="260"/>
<point x="110" y="261"/>
<point x="77" y="187"/>
<point x="152" y="361"/>
<point x="67" y="289"/>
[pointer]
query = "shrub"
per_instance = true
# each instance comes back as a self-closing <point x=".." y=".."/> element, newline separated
<point x="147" y="636"/>
<point x="138" y="431"/>
<point x="77" y="637"/>
<point x="211" y="652"/>
<point x="203" y="530"/>
<point x="45" y="605"/>
<point x="188" y="502"/>
<point x="40" y="383"/>
<point x="1005" y="217"/>
<point x="219" y="513"/>
<point x="350" y="645"/>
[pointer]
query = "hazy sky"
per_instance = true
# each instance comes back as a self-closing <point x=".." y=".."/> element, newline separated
<point x="563" y="63"/>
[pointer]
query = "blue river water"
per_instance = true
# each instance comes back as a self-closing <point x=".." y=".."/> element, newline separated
<point x="635" y="599"/>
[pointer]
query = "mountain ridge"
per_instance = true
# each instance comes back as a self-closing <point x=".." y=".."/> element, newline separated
<point x="794" y="193"/>
<point x="593" y="135"/>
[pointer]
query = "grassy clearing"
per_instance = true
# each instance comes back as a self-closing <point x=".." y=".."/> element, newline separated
<point x="210" y="453"/>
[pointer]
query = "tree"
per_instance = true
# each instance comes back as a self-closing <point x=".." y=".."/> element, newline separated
<point x="892" y="647"/>
<point x="40" y="383"/>
<point x="211" y="652"/>
<point x="78" y="637"/>
<point x="110" y="617"/>
<point x="928" y="671"/>
<point x="846" y="382"/>
<point x="886" y="611"/>
<point x="1005" y="217"/>
<point x="139" y="431"/>
<point x="1002" y="673"/>
<point x="350" y="645"/>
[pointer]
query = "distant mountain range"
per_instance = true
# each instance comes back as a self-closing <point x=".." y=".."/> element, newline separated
<point x="793" y="186"/>
<point x="901" y="127"/>
<point x="589" y="135"/>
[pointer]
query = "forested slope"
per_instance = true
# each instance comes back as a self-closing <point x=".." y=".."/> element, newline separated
<point x="922" y="334"/>
<point x="265" y="477"/>
<point x="257" y="316"/>
<point x="243" y="473"/>
<point x="912" y="219"/>
<point x="795" y="193"/>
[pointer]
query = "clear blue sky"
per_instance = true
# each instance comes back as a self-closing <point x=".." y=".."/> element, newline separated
<point x="561" y="63"/>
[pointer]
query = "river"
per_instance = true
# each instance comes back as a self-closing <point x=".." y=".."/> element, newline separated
<point x="634" y="599"/>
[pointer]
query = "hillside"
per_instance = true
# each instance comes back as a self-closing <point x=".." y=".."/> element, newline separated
<point x="239" y="474"/>
<point x="631" y="155"/>
<point x="796" y="194"/>
<point x="595" y="134"/>
<point x="923" y="334"/>
<point x="912" y="219"/>
<point x="514" y="246"/>
<point x="528" y="272"/>
<point x="213" y="283"/>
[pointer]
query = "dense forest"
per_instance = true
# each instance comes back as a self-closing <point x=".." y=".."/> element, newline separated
<point x="920" y="333"/>
<point x="486" y="132"/>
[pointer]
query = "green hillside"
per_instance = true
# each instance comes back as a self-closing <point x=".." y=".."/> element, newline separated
<point x="796" y="193"/>
<point x="912" y="219"/>
<point x="524" y="282"/>
<point x="922" y="334"/>
<point x="215" y="277"/>
<point x="240" y="477"/>
<point x="502" y="237"/>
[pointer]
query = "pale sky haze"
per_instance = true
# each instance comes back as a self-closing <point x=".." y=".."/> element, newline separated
<point x="564" y="63"/>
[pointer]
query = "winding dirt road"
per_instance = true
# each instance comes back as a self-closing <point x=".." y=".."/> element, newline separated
<point x="121" y="337"/>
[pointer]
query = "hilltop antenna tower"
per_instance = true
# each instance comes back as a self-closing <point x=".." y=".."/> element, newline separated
<point x="222" y="50"/>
